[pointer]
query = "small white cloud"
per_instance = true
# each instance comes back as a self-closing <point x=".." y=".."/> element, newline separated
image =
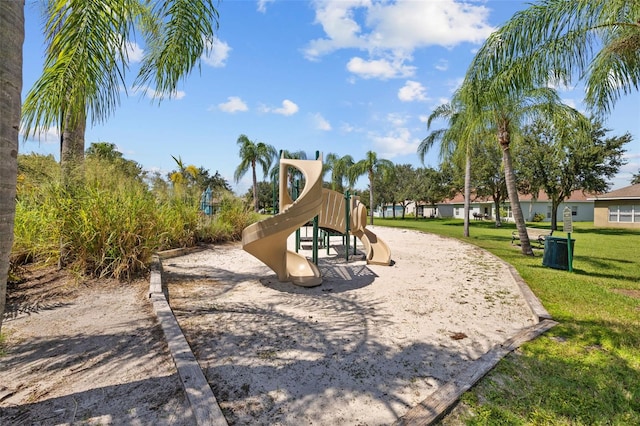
<point x="412" y="91"/>
<point x="396" y="120"/>
<point x="442" y="65"/>
<point x="46" y="136"/>
<point x="288" y="108"/>
<point x="262" y="5"/>
<point x="320" y="122"/>
<point x="395" y="143"/>
<point x="216" y="53"/>
<point x="348" y="128"/>
<point x="233" y="104"/>
<point x="379" y="68"/>
<point x="134" y="52"/>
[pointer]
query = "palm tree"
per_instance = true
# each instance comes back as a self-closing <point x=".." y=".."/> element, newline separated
<point x="184" y="174"/>
<point x="339" y="167"/>
<point x="86" y="61"/>
<point x="454" y="139"/>
<point x="12" y="36"/>
<point x="507" y="111"/>
<point x="370" y="166"/>
<point x="252" y="154"/>
<point x="555" y="40"/>
<point x="75" y="81"/>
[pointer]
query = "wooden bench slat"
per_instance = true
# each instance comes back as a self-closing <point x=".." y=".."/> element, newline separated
<point x="535" y="234"/>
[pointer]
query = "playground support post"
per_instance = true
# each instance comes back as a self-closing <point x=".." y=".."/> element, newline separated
<point x="347" y="213"/>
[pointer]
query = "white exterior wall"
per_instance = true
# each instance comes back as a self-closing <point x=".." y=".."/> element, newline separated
<point x="583" y="210"/>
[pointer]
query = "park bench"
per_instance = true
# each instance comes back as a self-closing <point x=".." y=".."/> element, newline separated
<point x="535" y="234"/>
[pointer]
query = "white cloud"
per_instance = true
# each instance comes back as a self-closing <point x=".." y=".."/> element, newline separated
<point x="412" y="91"/>
<point x="216" y="53"/>
<point x="47" y="136"/>
<point x="379" y="68"/>
<point x="397" y="142"/>
<point x="395" y="29"/>
<point x="442" y="65"/>
<point x="320" y="122"/>
<point x="262" y="5"/>
<point x="233" y="104"/>
<point x="288" y="108"/>
<point x="396" y="119"/>
<point x="134" y="52"/>
<point x="153" y="94"/>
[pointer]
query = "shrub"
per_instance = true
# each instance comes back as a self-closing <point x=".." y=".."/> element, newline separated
<point x="111" y="224"/>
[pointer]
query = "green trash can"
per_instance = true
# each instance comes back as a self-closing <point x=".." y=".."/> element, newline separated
<point x="556" y="254"/>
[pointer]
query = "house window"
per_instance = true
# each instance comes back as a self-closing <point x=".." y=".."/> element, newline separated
<point x="574" y="210"/>
<point x="548" y="212"/>
<point x="624" y="214"/>
<point x="457" y="211"/>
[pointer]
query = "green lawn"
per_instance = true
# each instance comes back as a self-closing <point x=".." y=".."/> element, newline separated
<point x="586" y="370"/>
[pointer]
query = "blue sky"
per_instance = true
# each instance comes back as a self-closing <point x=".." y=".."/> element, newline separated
<point x="335" y="76"/>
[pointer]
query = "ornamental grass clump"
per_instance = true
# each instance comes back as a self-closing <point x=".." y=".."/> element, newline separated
<point x="111" y="223"/>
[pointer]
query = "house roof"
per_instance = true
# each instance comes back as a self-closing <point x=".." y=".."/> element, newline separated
<point x="631" y="192"/>
<point x="576" y="196"/>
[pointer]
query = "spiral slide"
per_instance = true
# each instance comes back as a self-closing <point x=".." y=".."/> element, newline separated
<point x="333" y="216"/>
<point x="267" y="239"/>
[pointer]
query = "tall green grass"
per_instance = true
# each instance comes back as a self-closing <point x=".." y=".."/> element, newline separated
<point x="111" y="224"/>
<point x="586" y="370"/>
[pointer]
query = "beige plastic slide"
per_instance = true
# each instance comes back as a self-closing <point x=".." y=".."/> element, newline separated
<point x="333" y="216"/>
<point x="267" y="239"/>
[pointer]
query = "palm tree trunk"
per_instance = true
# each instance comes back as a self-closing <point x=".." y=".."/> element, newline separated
<point x="72" y="167"/>
<point x="512" y="191"/>
<point x="554" y="213"/>
<point x="467" y="191"/>
<point x="72" y="150"/>
<point x="255" y="186"/>
<point x="370" y="197"/>
<point x="12" y="36"/>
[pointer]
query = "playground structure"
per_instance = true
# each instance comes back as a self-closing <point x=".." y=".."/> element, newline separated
<point x="267" y="239"/>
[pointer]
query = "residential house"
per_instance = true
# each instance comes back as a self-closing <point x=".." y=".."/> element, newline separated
<point x="483" y="208"/>
<point x="618" y="209"/>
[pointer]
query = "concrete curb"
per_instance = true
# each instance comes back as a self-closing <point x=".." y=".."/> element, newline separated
<point x="199" y="394"/>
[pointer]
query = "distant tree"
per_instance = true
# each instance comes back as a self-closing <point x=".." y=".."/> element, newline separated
<point x="339" y="167"/>
<point x="253" y="154"/>
<point x="433" y="186"/>
<point x="403" y="189"/>
<point x="635" y="178"/>
<point x="561" y="161"/>
<point x="265" y="195"/>
<point x="488" y="176"/>
<point x="185" y="176"/>
<point x="106" y="151"/>
<point x="370" y="166"/>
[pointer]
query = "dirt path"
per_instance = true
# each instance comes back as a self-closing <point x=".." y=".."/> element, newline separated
<point x="88" y="353"/>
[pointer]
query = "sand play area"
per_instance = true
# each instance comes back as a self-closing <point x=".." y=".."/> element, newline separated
<point x="364" y="348"/>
